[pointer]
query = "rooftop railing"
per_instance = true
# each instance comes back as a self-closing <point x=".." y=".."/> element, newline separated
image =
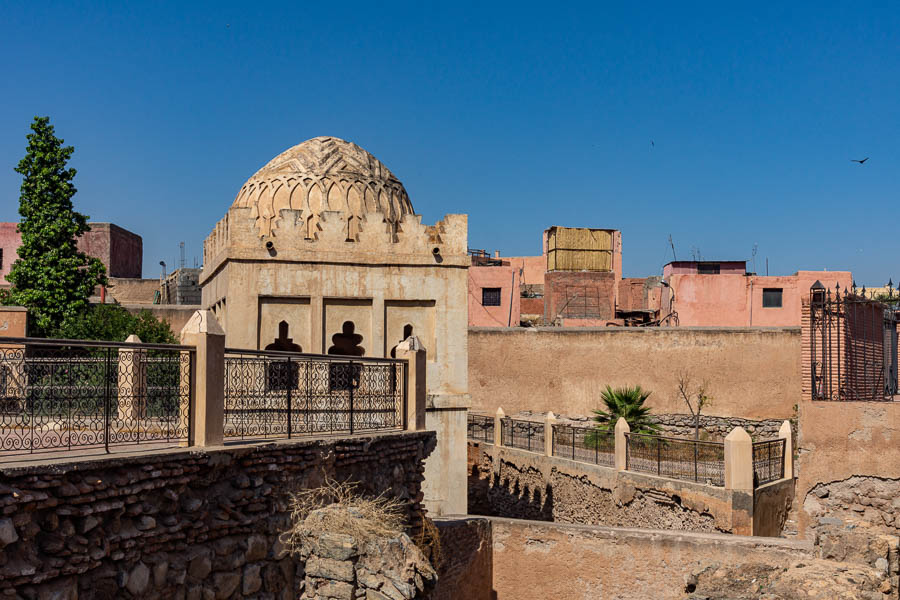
<point x="752" y="464"/>
<point x="675" y="458"/>
<point x="271" y="394"/>
<point x="65" y="394"/>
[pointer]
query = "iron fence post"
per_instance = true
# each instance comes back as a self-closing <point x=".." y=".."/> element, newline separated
<point x="696" y="458"/>
<point x="290" y="384"/>
<point x="106" y="403"/>
<point x="658" y="457"/>
<point x="351" y="397"/>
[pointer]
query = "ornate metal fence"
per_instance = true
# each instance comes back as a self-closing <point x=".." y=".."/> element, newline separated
<point x="271" y="394"/>
<point x="526" y="435"/>
<point x="585" y="444"/>
<point x="480" y="428"/>
<point x="853" y="345"/>
<point x="768" y="461"/>
<point x="62" y="394"/>
<point x="690" y="460"/>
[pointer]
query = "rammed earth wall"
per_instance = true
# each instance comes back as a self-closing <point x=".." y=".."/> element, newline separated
<point x="183" y="523"/>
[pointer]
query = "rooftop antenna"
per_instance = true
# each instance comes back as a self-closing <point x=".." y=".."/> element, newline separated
<point x="755" y="246"/>
<point x="672" y="244"/>
<point x="181" y="249"/>
<point x="162" y="263"/>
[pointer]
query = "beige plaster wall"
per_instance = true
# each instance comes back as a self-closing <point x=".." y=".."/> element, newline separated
<point x="176" y="315"/>
<point x="534" y="560"/>
<point x="13" y="321"/>
<point x="752" y="373"/>
<point x="839" y="440"/>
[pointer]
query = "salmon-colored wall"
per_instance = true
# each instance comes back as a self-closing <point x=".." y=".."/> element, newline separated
<point x="507" y="279"/>
<point x="688" y="267"/>
<point x="533" y="268"/>
<point x="736" y="300"/>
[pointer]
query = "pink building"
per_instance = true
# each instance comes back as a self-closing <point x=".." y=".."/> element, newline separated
<point x="494" y="292"/>
<point x="120" y="250"/>
<point x="712" y="294"/>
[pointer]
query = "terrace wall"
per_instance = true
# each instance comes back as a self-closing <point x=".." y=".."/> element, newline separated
<point x="753" y="373"/>
<point x="509" y="482"/>
<point x="183" y="523"/>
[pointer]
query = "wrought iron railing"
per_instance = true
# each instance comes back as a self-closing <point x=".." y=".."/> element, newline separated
<point x="519" y="433"/>
<point x="63" y="394"/>
<point x="585" y="444"/>
<point x="480" y="428"/>
<point x="768" y="461"/>
<point x="270" y="394"/>
<point x="853" y="346"/>
<point x="690" y="460"/>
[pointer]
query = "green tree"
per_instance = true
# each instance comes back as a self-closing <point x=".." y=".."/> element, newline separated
<point x="113" y="323"/>
<point x="51" y="277"/>
<point x="627" y="403"/>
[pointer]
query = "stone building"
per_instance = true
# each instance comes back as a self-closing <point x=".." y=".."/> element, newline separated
<point x="321" y="252"/>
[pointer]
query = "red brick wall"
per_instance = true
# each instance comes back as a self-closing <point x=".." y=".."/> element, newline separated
<point x="532" y="306"/>
<point x="584" y="294"/>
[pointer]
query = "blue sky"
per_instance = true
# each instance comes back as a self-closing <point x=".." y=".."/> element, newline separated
<point x="521" y="115"/>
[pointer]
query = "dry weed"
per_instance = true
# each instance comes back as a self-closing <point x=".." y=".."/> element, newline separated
<point x="429" y="542"/>
<point x="349" y="513"/>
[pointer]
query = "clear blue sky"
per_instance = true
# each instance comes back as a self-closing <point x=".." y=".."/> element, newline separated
<point x="521" y="115"/>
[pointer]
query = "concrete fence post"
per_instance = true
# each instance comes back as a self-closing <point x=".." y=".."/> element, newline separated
<point x="549" y="421"/>
<point x="787" y="433"/>
<point x="622" y="428"/>
<point x="498" y="423"/>
<point x="414" y="352"/>
<point x="208" y="378"/>
<point x="738" y="460"/>
<point x="132" y="383"/>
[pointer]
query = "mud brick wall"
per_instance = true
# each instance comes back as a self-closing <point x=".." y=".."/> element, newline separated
<point x="184" y="524"/>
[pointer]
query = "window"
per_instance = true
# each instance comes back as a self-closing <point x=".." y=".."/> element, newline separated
<point x="708" y="268"/>
<point x="490" y="296"/>
<point x="771" y="297"/>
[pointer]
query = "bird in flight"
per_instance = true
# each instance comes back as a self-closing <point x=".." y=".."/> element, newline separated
<point x="859" y="161"/>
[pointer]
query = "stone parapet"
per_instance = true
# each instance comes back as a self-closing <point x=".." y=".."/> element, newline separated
<point x="183" y="523"/>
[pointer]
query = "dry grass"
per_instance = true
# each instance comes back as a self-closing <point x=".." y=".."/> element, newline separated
<point x="350" y="513"/>
<point x="429" y="542"/>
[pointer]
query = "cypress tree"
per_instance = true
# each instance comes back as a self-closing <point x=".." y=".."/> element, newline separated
<point x="51" y="277"/>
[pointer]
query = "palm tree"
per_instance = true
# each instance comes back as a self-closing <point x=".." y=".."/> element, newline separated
<point x="627" y="403"/>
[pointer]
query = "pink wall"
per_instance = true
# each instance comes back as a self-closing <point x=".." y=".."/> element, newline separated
<point x="687" y="267"/>
<point x="507" y="279"/>
<point x="10" y="240"/>
<point x="736" y="300"/>
<point x="533" y="268"/>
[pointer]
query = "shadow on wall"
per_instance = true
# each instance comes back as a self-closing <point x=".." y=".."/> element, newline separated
<point x="496" y="497"/>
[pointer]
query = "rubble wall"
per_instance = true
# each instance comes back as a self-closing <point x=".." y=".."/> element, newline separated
<point x="508" y="482"/>
<point x="183" y="523"/>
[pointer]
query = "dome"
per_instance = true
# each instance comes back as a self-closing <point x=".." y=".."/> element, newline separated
<point x="323" y="174"/>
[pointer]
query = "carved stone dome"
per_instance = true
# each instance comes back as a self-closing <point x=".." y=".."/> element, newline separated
<point x="323" y="174"/>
